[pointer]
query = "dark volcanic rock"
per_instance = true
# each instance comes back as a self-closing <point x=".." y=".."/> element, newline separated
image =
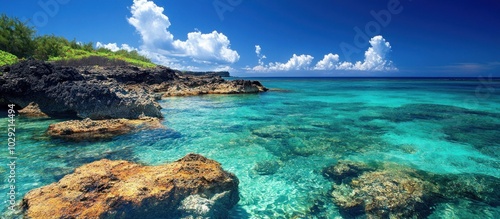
<point x="192" y="85"/>
<point x="63" y="91"/>
<point x="106" y="92"/>
<point x="192" y="187"/>
<point x="214" y="73"/>
<point x="131" y="74"/>
<point x="172" y="82"/>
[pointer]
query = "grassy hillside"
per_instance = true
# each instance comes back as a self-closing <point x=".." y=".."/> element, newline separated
<point x="18" y="40"/>
<point x="71" y="56"/>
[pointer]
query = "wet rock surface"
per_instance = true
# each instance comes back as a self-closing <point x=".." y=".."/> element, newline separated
<point x="32" y="110"/>
<point x="192" y="187"/>
<point x="87" y="129"/>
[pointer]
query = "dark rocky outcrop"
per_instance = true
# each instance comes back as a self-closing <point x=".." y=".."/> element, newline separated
<point x="214" y="73"/>
<point x="188" y="86"/>
<point x="192" y="187"/>
<point x="63" y="91"/>
<point x="171" y="82"/>
<point x="96" y="92"/>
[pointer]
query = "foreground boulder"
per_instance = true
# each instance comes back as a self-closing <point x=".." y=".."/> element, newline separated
<point x="64" y="91"/>
<point x="89" y="129"/>
<point x="192" y="187"/>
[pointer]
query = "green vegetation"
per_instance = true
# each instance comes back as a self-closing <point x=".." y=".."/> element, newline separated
<point x="84" y="56"/>
<point x="7" y="58"/>
<point x="18" y="39"/>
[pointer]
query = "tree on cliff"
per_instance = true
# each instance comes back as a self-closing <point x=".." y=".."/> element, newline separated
<point x="16" y="37"/>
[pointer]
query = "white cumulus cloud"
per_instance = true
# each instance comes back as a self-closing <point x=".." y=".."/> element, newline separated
<point x="114" y="47"/>
<point x="152" y="24"/>
<point x="329" y="62"/>
<point x="261" y="57"/>
<point x="301" y="62"/>
<point x="207" y="47"/>
<point x="376" y="59"/>
<point x="206" y="50"/>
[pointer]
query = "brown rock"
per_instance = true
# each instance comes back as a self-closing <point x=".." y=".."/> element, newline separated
<point x="385" y="194"/>
<point x="198" y="85"/>
<point x="88" y="129"/>
<point x="32" y="110"/>
<point x="193" y="186"/>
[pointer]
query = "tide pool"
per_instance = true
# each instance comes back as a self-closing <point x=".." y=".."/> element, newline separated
<point x="278" y="143"/>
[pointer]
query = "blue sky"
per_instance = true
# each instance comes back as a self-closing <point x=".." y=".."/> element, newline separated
<point x="286" y="37"/>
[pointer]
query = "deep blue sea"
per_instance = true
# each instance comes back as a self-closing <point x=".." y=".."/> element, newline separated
<point x="300" y="127"/>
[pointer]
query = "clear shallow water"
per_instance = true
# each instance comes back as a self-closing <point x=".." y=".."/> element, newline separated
<point x="301" y="126"/>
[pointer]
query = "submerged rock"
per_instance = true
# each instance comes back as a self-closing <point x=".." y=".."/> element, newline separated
<point x="384" y="194"/>
<point x="388" y="190"/>
<point x="345" y="171"/>
<point x="192" y="187"/>
<point x="89" y="129"/>
<point x="476" y="187"/>
<point x="266" y="167"/>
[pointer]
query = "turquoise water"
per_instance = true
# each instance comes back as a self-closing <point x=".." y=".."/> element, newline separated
<point x="298" y="129"/>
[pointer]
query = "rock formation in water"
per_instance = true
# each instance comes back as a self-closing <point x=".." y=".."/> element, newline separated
<point x="384" y="194"/>
<point x="105" y="92"/>
<point x="387" y="190"/>
<point x="32" y="110"/>
<point x="214" y="73"/>
<point x="192" y="187"/>
<point x="189" y="86"/>
<point x="170" y="82"/>
<point x="88" y="129"/>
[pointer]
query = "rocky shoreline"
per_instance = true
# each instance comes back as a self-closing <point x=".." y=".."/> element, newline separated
<point x="103" y="102"/>
<point x="106" y="92"/>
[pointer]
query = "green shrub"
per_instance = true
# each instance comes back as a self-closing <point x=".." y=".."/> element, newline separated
<point x="16" y="37"/>
<point x="49" y="46"/>
<point x="17" y="40"/>
<point x="7" y="58"/>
